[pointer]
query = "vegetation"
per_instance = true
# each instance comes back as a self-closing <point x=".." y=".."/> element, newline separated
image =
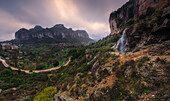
<point x="150" y="11"/>
<point x="136" y="50"/>
<point x="27" y="98"/>
<point x="46" y="95"/>
<point x="105" y="41"/>
<point x="94" y="73"/>
<point x="130" y="22"/>
<point x="0" y="47"/>
<point x="37" y="57"/>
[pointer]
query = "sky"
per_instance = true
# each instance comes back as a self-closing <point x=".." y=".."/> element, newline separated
<point x="89" y="15"/>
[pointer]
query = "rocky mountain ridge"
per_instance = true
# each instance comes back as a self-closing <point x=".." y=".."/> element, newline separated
<point x="59" y="31"/>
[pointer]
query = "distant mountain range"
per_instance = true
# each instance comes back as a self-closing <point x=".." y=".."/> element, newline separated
<point x="57" y="34"/>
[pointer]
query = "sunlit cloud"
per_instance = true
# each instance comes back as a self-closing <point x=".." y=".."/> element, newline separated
<point x="89" y="15"/>
<point x="68" y="12"/>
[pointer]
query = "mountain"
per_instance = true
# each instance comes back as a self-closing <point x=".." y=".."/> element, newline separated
<point x="141" y="22"/>
<point x="58" y="33"/>
<point x="131" y="64"/>
<point x="134" y="9"/>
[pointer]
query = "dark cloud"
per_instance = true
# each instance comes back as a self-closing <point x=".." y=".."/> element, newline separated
<point x="91" y="15"/>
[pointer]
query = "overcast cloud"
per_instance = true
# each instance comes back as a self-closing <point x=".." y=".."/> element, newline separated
<point x="90" y="15"/>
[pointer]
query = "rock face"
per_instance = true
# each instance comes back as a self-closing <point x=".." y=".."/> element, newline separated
<point x="133" y="9"/>
<point x="146" y="21"/>
<point x="56" y="32"/>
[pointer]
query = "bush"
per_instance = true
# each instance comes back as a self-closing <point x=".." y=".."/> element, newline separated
<point x="64" y="78"/>
<point x="15" y="81"/>
<point x="136" y="50"/>
<point x="46" y="95"/>
<point x="27" y="98"/>
<point x="142" y="17"/>
<point x="150" y="11"/>
<point x="111" y="44"/>
<point x="157" y="14"/>
<point x="0" y="47"/>
<point x="79" y="80"/>
<point x="56" y="64"/>
<point x="30" y="70"/>
<point x="140" y="64"/>
<point x="5" y="86"/>
<point x="6" y="73"/>
<point x="114" y="57"/>
<point x="130" y="22"/>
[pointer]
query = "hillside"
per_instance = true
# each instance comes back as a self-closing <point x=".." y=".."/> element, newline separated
<point x="130" y="64"/>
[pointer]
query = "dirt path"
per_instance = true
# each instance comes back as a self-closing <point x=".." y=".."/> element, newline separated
<point x="35" y="71"/>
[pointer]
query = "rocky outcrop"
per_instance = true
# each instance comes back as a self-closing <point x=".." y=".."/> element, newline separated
<point x="133" y="9"/>
<point x="56" y="32"/>
<point x="145" y="4"/>
<point x="64" y="96"/>
<point x="119" y="18"/>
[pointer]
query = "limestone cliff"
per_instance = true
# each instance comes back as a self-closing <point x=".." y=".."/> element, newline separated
<point x="133" y="9"/>
<point x="146" y="22"/>
<point x="56" y="32"/>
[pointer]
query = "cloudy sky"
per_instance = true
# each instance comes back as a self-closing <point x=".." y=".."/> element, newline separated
<point x="90" y="15"/>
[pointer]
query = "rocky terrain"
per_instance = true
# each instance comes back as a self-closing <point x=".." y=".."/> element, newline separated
<point x="147" y="26"/>
<point x="136" y="76"/>
<point x="138" y="69"/>
<point x="131" y="64"/>
<point x="133" y="9"/>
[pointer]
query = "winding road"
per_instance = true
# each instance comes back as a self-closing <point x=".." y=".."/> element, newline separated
<point x="35" y="71"/>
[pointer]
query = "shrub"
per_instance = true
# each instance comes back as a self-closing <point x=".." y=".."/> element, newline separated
<point x="79" y="80"/>
<point x="0" y="47"/>
<point x="144" y="59"/>
<point x="30" y="70"/>
<point x="5" y="86"/>
<point x="56" y="64"/>
<point x="114" y="57"/>
<point x="64" y="78"/>
<point x="6" y="73"/>
<point x="150" y="11"/>
<point x="157" y="14"/>
<point x="140" y="64"/>
<point x="136" y="50"/>
<point x="84" y="68"/>
<point x="111" y="44"/>
<point x="27" y="98"/>
<point x="130" y="22"/>
<point x="142" y="17"/>
<point x="46" y="95"/>
<point x="15" y="81"/>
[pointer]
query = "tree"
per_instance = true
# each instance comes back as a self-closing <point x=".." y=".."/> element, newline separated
<point x="15" y="57"/>
<point x="0" y="47"/>
<point x="56" y="64"/>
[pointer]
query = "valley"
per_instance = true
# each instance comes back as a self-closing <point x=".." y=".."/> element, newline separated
<point x="132" y="63"/>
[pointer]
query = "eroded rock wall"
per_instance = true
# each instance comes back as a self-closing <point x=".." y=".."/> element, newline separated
<point x="132" y="9"/>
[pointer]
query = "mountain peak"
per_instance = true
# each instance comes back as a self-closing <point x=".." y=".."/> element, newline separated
<point x="58" y="25"/>
<point x="36" y="28"/>
<point x="58" y="32"/>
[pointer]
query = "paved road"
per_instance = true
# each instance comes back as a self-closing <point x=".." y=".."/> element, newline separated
<point x="35" y="71"/>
